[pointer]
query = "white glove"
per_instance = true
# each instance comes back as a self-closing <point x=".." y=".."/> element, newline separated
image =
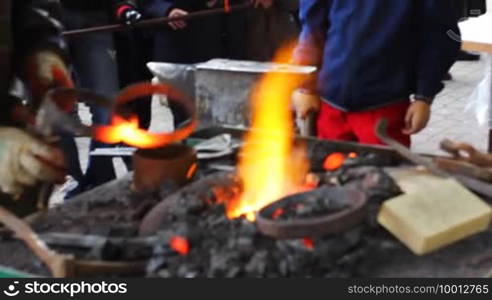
<point x="304" y="103"/>
<point x="46" y="70"/>
<point x="47" y="62"/>
<point x="26" y="161"/>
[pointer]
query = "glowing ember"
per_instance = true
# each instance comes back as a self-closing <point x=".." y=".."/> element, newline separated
<point x="312" y="181"/>
<point x="277" y="213"/>
<point x="308" y="243"/>
<point x="270" y="167"/>
<point x="353" y="155"/>
<point x="334" y="161"/>
<point x="191" y="171"/>
<point x="180" y="245"/>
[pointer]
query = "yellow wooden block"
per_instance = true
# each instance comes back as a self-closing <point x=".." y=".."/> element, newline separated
<point x="433" y="213"/>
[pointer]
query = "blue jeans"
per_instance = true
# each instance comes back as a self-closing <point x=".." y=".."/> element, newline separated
<point x="95" y="69"/>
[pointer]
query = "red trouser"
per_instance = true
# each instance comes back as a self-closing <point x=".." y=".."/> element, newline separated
<point x="335" y="124"/>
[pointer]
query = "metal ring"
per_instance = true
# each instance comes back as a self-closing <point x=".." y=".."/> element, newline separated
<point x="133" y="93"/>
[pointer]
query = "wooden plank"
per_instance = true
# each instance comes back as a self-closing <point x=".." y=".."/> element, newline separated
<point x="475" y="34"/>
<point x="433" y="213"/>
<point x="475" y="46"/>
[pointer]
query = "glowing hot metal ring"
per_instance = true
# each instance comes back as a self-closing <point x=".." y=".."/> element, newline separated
<point x="140" y="138"/>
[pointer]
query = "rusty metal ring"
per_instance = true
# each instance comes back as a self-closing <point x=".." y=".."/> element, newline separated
<point x="316" y="226"/>
<point x="136" y="91"/>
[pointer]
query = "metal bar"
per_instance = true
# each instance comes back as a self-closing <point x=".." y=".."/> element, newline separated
<point x="57" y="263"/>
<point x="122" y="151"/>
<point x="157" y="21"/>
<point x="382" y="133"/>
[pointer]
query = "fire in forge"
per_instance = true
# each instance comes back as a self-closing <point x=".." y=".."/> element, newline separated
<point x="247" y="190"/>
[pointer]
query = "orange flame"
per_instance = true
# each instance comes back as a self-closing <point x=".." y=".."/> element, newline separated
<point x="127" y="131"/>
<point x="191" y="171"/>
<point x="334" y="161"/>
<point x="270" y="166"/>
<point x="180" y="245"/>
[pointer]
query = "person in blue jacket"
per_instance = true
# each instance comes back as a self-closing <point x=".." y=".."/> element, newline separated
<point x="377" y="59"/>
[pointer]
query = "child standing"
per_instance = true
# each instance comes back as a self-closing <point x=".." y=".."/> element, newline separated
<point x="377" y="59"/>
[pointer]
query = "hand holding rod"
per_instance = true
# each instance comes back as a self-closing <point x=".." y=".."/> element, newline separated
<point x="157" y="21"/>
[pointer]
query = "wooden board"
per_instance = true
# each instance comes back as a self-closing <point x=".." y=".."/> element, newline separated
<point x="475" y="33"/>
<point x="433" y="213"/>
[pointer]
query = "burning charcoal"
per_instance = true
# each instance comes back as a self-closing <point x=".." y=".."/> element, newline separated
<point x="163" y="274"/>
<point x="141" y="208"/>
<point x="380" y="186"/>
<point x="186" y="271"/>
<point x="375" y="182"/>
<point x="292" y="246"/>
<point x="320" y="202"/>
<point x="247" y="227"/>
<point x="221" y="262"/>
<point x="181" y="229"/>
<point x="233" y="272"/>
<point x="158" y="260"/>
<point x="356" y="174"/>
<point x="256" y="267"/>
<point x="245" y="244"/>
<point x="283" y="268"/>
<point x="352" y="257"/>
<point x="354" y="236"/>
<point x="216" y="216"/>
<point x="123" y="231"/>
<point x="302" y="210"/>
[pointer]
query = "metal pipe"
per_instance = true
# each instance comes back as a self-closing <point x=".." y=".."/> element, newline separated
<point x="156" y="21"/>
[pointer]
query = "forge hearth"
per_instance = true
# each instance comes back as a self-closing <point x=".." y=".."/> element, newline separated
<point x="221" y="247"/>
<point x="191" y="217"/>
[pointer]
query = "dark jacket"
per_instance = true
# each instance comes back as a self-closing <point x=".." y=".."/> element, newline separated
<point x="473" y="8"/>
<point x="161" y="8"/>
<point x="109" y="6"/>
<point x="26" y="26"/>
<point x="200" y="41"/>
<point x="373" y="53"/>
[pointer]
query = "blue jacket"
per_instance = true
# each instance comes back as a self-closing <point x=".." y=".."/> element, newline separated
<point x="375" y="52"/>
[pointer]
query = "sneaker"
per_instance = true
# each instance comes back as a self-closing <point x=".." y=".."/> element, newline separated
<point x="71" y="188"/>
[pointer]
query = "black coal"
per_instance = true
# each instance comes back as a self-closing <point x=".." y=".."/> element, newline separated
<point x="220" y="247"/>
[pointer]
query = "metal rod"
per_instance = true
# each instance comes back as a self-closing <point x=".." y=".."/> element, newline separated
<point x="57" y="263"/>
<point x="156" y="21"/>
